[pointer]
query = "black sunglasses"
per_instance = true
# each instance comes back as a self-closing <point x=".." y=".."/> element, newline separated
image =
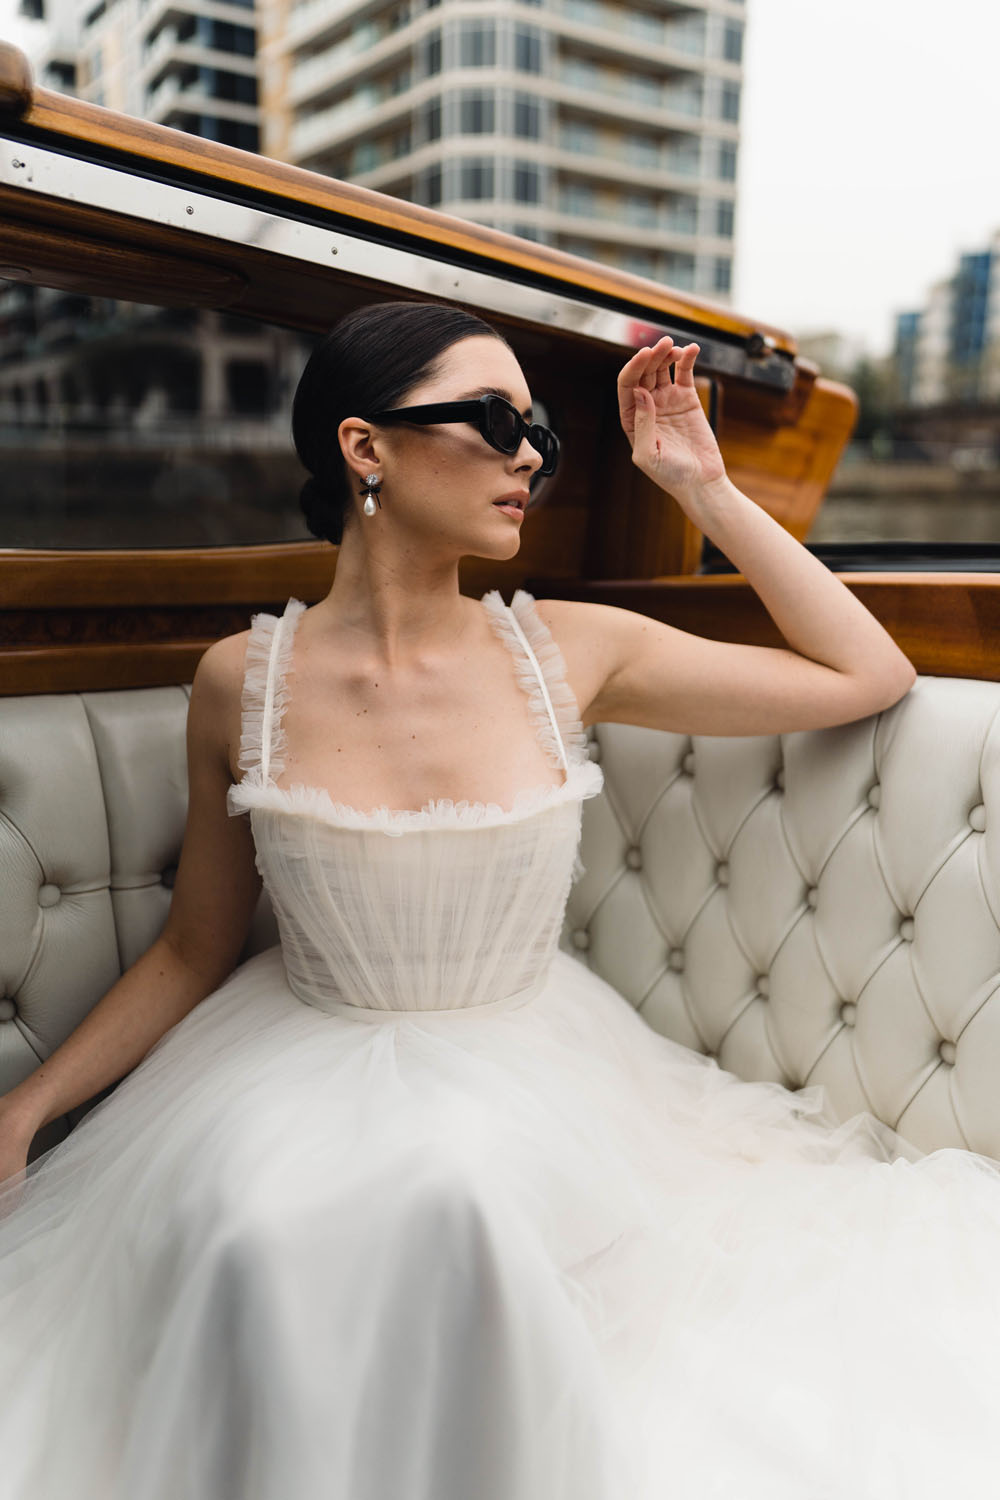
<point x="499" y="423"/>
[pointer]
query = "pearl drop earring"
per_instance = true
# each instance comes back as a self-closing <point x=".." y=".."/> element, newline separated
<point x="372" y="484"/>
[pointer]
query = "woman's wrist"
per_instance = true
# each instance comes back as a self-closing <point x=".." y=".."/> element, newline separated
<point x="709" y="502"/>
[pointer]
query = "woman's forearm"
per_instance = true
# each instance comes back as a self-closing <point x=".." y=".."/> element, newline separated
<point x="816" y="614"/>
<point x="153" y="995"/>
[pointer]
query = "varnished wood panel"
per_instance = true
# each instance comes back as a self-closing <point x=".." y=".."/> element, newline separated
<point x="786" y="469"/>
<point x="947" y="624"/>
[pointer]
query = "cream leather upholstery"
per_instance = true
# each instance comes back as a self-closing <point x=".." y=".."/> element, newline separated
<point x="819" y="908"/>
<point x="93" y="791"/>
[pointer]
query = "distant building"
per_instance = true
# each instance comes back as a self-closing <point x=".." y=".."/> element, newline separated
<point x="948" y="352"/>
<point x="190" y="64"/>
<point x="608" y="130"/>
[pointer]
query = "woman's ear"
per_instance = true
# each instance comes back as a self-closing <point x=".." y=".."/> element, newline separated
<point x="358" y="445"/>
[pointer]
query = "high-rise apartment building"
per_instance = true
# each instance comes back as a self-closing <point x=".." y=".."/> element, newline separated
<point x="949" y="350"/>
<point x="191" y="64"/>
<point x="608" y="128"/>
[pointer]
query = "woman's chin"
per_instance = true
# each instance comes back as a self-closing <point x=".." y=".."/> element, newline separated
<point x="495" y="548"/>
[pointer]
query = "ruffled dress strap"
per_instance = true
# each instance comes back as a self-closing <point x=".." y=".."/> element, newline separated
<point x="265" y="696"/>
<point x="541" y="672"/>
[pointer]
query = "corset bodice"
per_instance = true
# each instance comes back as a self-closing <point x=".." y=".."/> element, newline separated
<point x="449" y="907"/>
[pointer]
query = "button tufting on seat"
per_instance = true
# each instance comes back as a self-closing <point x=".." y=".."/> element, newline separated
<point x="633" y="857"/>
<point x="168" y="875"/>
<point x="675" y="958"/>
<point x="8" y="1010"/>
<point x="722" y="872"/>
<point x="581" y="939"/>
<point x="49" y="895"/>
<point x="779" y="780"/>
<point x="977" y="818"/>
<point x="848" y="1012"/>
<point x="594" y="749"/>
<point x="906" y="929"/>
<point x="947" y="1053"/>
<point x="687" y="764"/>
<point x="812" y="897"/>
<point x="875" y="795"/>
<point x="763" y="984"/>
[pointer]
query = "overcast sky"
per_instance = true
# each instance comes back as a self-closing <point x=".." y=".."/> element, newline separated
<point x="869" y="157"/>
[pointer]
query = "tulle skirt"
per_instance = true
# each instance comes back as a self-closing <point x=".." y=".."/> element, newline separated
<point x="531" y="1253"/>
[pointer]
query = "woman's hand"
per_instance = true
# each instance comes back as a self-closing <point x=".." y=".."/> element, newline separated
<point x="664" y="422"/>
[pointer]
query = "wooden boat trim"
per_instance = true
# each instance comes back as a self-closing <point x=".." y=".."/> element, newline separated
<point x="31" y="169"/>
<point x="948" y="624"/>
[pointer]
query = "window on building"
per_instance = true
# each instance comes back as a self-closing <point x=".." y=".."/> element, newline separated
<point x="238" y="87"/>
<point x="579" y="198"/>
<point x="727" y="162"/>
<point x="646" y="89"/>
<point x="639" y="262"/>
<point x="724" y="214"/>
<point x="682" y="214"/>
<point x="581" y="73"/>
<point x="579" y="137"/>
<point x="642" y="150"/>
<point x="476" y="178"/>
<point x="678" y="271"/>
<point x="527" y="182"/>
<point x="527" y="49"/>
<point x="367" y="157"/>
<point x="431" y="191"/>
<point x="477" y="44"/>
<point x="477" y="113"/>
<point x="722" y="279"/>
<point x="430" y="120"/>
<point x="432" y="54"/>
<point x="684" y="156"/>
<point x="643" y="24"/>
<point x="729" y="104"/>
<point x="684" y="96"/>
<point x="732" y="42"/>
<point x="225" y="36"/>
<point x="527" y="117"/>
<point x="640" y="209"/>
<point x="590" y="12"/>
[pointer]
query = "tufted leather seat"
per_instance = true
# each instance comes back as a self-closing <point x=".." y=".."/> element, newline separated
<point x="818" y="908"/>
<point x="93" y="791"/>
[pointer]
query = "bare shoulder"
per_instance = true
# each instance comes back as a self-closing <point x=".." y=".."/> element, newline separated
<point x="589" y="639"/>
<point x="216" y="694"/>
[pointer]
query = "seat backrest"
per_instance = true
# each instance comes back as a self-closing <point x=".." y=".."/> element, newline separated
<point x="93" y="794"/>
<point x="815" y="908"/>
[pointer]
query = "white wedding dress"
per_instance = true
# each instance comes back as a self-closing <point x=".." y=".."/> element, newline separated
<point x="417" y="1208"/>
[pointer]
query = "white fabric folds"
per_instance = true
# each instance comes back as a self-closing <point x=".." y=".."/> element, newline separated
<point x="507" y="1244"/>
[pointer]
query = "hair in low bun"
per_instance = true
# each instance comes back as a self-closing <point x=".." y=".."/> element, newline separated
<point x="368" y="362"/>
<point x="323" y="507"/>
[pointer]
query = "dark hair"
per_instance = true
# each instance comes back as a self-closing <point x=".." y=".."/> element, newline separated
<point x="368" y="362"/>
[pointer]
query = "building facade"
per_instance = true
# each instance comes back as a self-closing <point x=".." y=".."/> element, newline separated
<point x="190" y="64"/>
<point x="608" y="129"/>
<point x="948" y="352"/>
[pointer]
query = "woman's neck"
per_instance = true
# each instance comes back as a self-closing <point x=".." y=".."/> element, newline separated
<point x="393" y="599"/>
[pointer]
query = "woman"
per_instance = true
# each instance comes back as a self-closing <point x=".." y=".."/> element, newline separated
<point x="417" y="1208"/>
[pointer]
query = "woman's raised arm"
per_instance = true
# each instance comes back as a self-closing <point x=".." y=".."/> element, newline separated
<point x="213" y="901"/>
<point x="630" y="669"/>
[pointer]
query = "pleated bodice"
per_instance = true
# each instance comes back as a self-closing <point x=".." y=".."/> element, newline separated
<point x="452" y="906"/>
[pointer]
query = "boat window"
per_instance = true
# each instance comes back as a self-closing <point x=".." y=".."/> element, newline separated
<point x="130" y="426"/>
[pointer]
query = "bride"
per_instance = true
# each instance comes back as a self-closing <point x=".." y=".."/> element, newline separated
<point x="415" y="1207"/>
